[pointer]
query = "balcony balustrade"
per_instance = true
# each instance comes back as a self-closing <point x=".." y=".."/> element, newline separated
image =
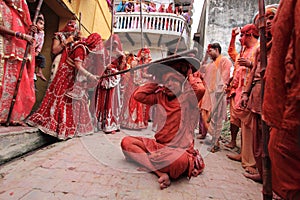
<point x="167" y="25"/>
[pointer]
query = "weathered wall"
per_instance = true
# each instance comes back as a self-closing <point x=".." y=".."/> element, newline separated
<point x="224" y="15"/>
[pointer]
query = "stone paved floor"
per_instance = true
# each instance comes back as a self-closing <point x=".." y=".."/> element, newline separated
<point x="93" y="167"/>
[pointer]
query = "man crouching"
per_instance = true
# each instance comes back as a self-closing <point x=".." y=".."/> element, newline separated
<point x="171" y="153"/>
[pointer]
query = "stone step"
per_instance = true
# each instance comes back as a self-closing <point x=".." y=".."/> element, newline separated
<point x="18" y="140"/>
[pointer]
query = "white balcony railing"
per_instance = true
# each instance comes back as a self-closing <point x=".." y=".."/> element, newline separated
<point x="153" y="22"/>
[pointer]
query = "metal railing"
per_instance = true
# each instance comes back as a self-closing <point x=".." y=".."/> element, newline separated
<point x="153" y="22"/>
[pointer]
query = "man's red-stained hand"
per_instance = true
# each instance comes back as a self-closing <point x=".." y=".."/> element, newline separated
<point x="197" y="84"/>
<point x="235" y="31"/>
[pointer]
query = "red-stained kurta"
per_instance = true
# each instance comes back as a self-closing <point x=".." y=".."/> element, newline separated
<point x="172" y="150"/>
<point x="281" y="105"/>
<point x="216" y="75"/>
<point x="240" y="80"/>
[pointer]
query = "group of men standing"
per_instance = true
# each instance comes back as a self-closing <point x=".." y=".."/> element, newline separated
<point x="250" y="107"/>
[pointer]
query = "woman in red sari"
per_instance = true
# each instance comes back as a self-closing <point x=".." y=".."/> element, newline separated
<point x="126" y="84"/>
<point x="136" y="114"/>
<point x="64" y="111"/>
<point x="62" y="40"/>
<point x="108" y="91"/>
<point x="14" y="23"/>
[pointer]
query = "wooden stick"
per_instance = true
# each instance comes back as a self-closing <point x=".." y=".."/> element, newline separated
<point x="266" y="162"/>
<point x="216" y="107"/>
<point x="154" y="62"/>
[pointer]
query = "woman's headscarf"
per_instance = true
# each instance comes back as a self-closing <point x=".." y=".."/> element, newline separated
<point x="94" y="61"/>
<point x="146" y="58"/>
<point x="146" y="51"/>
<point x="93" y="42"/>
<point x="114" y="39"/>
<point x="71" y="26"/>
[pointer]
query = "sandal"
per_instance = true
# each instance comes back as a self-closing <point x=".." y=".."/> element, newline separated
<point x="214" y="149"/>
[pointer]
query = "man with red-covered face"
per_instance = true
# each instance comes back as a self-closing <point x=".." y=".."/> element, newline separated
<point x="171" y="154"/>
<point x="251" y="97"/>
<point x="240" y="117"/>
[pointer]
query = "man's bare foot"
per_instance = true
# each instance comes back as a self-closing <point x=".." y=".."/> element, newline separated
<point x="236" y="157"/>
<point x="276" y="197"/>
<point x="251" y="170"/>
<point x="254" y="177"/>
<point x="164" y="181"/>
<point x="230" y="145"/>
<point x="40" y="75"/>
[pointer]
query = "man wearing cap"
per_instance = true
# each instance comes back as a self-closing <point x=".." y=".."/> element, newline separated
<point x="171" y="153"/>
<point x="216" y="75"/>
<point x="251" y="96"/>
<point x="239" y="116"/>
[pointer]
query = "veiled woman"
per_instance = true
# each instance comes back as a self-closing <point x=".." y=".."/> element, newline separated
<point x="64" y="111"/>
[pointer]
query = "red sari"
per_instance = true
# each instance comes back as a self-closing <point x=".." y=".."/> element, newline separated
<point x="135" y="115"/>
<point x="108" y="94"/>
<point x="64" y="111"/>
<point x="11" y="54"/>
<point x="71" y="28"/>
<point x="108" y="102"/>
